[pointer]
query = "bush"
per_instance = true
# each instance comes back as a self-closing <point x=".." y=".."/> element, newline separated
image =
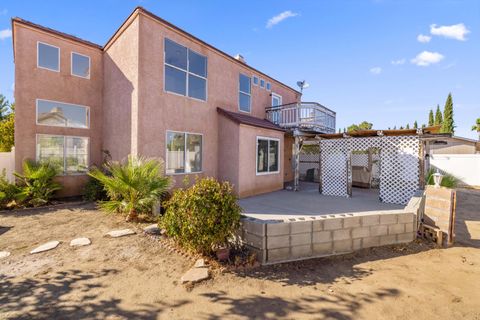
<point x="36" y="183"/>
<point x="94" y="191"/>
<point x="133" y="187"/>
<point x="448" y="180"/>
<point x="8" y="192"/>
<point x="202" y="217"/>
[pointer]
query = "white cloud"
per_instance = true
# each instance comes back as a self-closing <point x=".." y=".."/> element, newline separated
<point x="280" y="17"/>
<point x="456" y="31"/>
<point x="3" y="12"/>
<point x="398" y="62"/>
<point x="423" y="38"/>
<point x="376" y="70"/>
<point x="427" y="58"/>
<point x="4" y="34"/>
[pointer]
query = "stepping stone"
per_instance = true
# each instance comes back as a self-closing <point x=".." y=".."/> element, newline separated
<point x="200" y="263"/>
<point x="45" y="247"/>
<point x="120" y="233"/>
<point x="80" y="242"/>
<point x="195" y="275"/>
<point x="152" y="229"/>
<point x="4" y="254"/>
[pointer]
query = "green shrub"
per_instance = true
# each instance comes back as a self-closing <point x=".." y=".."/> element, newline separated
<point x="8" y="193"/>
<point x="94" y="191"/>
<point x="36" y="183"/>
<point x="203" y="216"/>
<point x="133" y="187"/>
<point x="448" y="180"/>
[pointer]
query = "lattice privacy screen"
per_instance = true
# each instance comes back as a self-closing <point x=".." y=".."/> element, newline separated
<point x="399" y="166"/>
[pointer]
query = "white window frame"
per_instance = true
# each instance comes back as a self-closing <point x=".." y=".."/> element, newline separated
<point x="276" y="95"/>
<point x="185" y="133"/>
<point x="268" y="86"/>
<point x="262" y="86"/>
<point x="89" y="65"/>
<point x="186" y="71"/>
<point x="253" y="81"/>
<point x="249" y="94"/>
<point x="38" y="56"/>
<point x="268" y="158"/>
<point x="65" y="172"/>
<point x="53" y="125"/>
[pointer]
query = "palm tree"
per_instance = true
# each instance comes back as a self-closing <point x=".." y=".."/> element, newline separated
<point x="133" y="186"/>
<point x="476" y="127"/>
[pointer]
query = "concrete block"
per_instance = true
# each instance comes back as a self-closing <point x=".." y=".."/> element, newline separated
<point x="332" y="223"/>
<point x="357" y="244"/>
<point x="378" y="230"/>
<point x="300" y="239"/>
<point x="369" y="242"/>
<point x="277" y="229"/>
<point x="322" y="236"/>
<point x="405" y="217"/>
<point x="405" y="237"/>
<point x="409" y="227"/>
<point x="301" y="227"/>
<point x="278" y="242"/>
<point x="360" y="232"/>
<point x="351" y="222"/>
<point x="278" y="254"/>
<point x="301" y="251"/>
<point x="442" y="204"/>
<point x="317" y="225"/>
<point x="370" y="220"/>
<point x="253" y="240"/>
<point x="341" y="234"/>
<point x="396" y="228"/>
<point x="388" y="218"/>
<point x="441" y="193"/>
<point x="388" y="239"/>
<point x="343" y="246"/>
<point x="322" y="248"/>
<point x="255" y="227"/>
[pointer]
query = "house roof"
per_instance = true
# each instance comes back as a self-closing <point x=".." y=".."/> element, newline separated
<point x="135" y="12"/>
<point x="248" y="120"/>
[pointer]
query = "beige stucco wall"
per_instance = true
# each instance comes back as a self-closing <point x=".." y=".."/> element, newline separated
<point x="454" y="146"/>
<point x="33" y="83"/>
<point x="228" y="151"/>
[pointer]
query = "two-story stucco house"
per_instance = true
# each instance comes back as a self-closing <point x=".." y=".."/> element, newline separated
<point x="152" y="90"/>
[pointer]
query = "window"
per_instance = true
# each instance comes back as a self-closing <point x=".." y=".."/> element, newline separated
<point x="80" y="65"/>
<point x="70" y="153"/>
<point x="184" y="152"/>
<point x="276" y="100"/>
<point x="48" y="57"/>
<point x="262" y="83"/>
<point x="255" y="80"/>
<point x="267" y="155"/>
<point x="51" y="113"/>
<point x="244" y="93"/>
<point x="269" y="86"/>
<point x="185" y="71"/>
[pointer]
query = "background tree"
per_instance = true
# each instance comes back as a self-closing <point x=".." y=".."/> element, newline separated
<point x="476" y="127"/>
<point x="415" y="125"/>
<point x="7" y="124"/>
<point x="431" y="121"/>
<point x="448" y="125"/>
<point x="438" y="116"/>
<point x="362" y="126"/>
<point x="408" y="126"/>
<point x="3" y="106"/>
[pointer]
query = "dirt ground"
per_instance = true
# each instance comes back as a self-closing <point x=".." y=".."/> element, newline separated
<point x="136" y="278"/>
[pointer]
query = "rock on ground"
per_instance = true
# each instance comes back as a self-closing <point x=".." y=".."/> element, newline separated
<point x="4" y="254"/>
<point x="200" y="263"/>
<point x="120" y="233"/>
<point x="45" y="247"/>
<point x="80" y="242"/>
<point x="152" y="229"/>
<point x="195" y="275"/>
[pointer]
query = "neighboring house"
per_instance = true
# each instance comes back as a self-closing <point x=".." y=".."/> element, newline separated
<point x="157" y="91"/>
<point x="454" y="145"/>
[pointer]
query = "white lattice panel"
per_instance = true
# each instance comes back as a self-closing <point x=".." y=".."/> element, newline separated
<point x="360" y="160"/>
<point x="335" y="154"/>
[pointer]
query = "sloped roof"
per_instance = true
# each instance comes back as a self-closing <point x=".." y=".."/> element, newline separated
<point x="248" y="120"/>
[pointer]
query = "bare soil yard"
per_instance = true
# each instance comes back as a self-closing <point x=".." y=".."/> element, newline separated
<point x="135" y="277"/>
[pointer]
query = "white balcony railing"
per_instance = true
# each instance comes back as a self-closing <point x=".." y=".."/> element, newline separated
<point x="305" y="116"/>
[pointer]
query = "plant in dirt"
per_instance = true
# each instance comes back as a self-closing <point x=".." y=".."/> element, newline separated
<point x="203" y="217"/>
<point x="448" y="180"/>
<point x="94" y="190"/>
<point x="36" y="183"/>
<point x="133" y="186"/>
<point x="8" y="192"/>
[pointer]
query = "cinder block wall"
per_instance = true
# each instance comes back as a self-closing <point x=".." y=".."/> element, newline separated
<point x="278" y="241"/>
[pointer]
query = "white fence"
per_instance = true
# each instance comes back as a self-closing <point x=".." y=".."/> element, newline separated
<point x="7" y="163"/>
<point x="465" y="167"/>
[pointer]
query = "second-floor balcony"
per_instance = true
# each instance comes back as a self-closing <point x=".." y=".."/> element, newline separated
<point x="304" y="116"/>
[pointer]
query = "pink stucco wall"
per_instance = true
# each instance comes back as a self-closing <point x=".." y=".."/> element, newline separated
<point x="33" y="83"/>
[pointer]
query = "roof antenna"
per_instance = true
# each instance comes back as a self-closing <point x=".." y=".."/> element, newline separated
<point x="302" y="85"/>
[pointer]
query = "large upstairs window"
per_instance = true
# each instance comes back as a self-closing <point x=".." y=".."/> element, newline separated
<point x="185" y="71"/>
<point x="59" y="114"/>
<point x="245" y="93"/>
<point x="80" y="65"/>
<point x="48" y="57"/>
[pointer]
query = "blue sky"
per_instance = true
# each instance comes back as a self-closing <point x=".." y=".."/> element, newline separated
<point x="387" y="62"/>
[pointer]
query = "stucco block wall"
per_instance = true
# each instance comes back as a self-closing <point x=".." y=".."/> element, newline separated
<point x="277" y="241"/>
<point x="228" y="151"/>
<point x="33" y="83"/>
